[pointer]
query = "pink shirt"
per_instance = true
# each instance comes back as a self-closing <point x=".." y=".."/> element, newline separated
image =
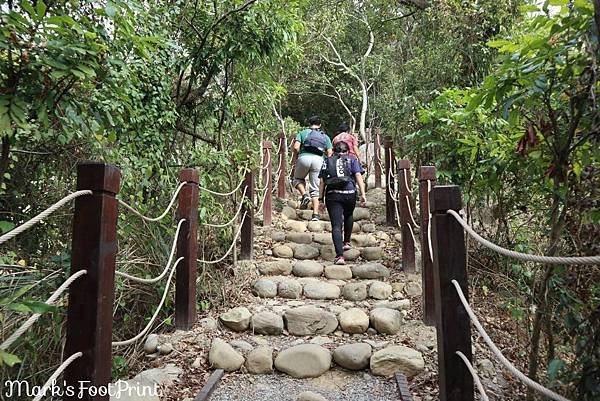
<point x="350" y="140"/>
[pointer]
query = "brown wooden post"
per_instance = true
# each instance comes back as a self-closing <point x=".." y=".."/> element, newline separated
<point x="452" y="322"/>
<point x="281" y="192"/>
<point x="426" y="178"/>
<point x="187" y="248"/>
<point x="268" y="179"/>
<point x="90" y="310"/>
<point x="377" y="158"/>
<point x="247" y="234"/>
<point x="407" y="229"/>
<point x="390" y="206"/>
<point x="293" y="166"/>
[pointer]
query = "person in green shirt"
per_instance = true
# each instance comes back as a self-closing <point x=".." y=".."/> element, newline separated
<point x="312" y="145"/>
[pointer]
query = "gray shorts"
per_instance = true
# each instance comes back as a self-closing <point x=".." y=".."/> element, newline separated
<point x="310" y="165"/>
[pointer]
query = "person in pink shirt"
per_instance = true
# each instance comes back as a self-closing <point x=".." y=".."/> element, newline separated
<point x="345" y="136"/>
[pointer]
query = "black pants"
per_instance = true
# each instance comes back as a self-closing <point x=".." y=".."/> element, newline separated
<point x="340" y="208"/>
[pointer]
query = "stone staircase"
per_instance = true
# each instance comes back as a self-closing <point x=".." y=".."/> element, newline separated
<point x="308" y="315"/>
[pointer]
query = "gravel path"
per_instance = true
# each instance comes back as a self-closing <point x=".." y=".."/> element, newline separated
<point x="335" y="385"/>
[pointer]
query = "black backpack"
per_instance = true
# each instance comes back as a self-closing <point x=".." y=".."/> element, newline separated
<point x="338" y="172"/>
<point x="315" y="142"/>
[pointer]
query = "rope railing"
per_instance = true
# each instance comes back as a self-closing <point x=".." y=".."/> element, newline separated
<point x="408" y="188"/>
<point x="29" y="322"/>
<point x="412" y="233"/>
<point x="162" y="215"/>
<point x="230" y="248"/>
<point x="476" y="379"/>
<point x="56" y="374"/>
<point x="505" y="362"/>
<point x="262" y="202"/>
<point x="222" y="193"/>
<point x="164" y="272"/>
<point x="410" y="213"/>
<point x="33" y="221"/>
<point x="570" y="260"/>
<point x="156" y="312"/>
<point x="268" y="163"/>
<point x="429" y="223"/>
<point x="230" y="222"/>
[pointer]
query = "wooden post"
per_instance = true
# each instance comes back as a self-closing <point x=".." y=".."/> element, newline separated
<point x="377" y="158"/>
<point x="408" y="242"/>
<point x="426" y="177"/>
<point x="268" y="180"/>
<point x="452" y="321"/>
<point x="187" y="247"/>
<point x="90" y="310"/>
<point x="390" y="206"/>
<point x="247" y="234"/>
<point x="281" y="192"/>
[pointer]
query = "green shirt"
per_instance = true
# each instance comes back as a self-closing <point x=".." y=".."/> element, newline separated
<point x="301" y="137"/>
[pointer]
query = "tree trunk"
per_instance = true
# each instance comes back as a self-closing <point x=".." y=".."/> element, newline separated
<point x="4" y="160"/>
<point x="540" y="295"/>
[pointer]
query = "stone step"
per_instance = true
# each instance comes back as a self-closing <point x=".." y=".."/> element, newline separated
<point x="313" y="268"/>
<point x="385" y="318"/>
<point x="317" y="288"/>
<point x="325" y="238"/>
<point x="360" y="213"/>
<point x="301" y="226"/>
<point x="302" y="359"/>
<point x="315" y="250"/>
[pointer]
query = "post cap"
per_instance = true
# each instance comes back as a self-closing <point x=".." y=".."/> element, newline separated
<point x="388" y="141"/>
<point x="98" y="176"/>
<point x="189" y="175"/>
<point x="267" y="145"/>
<point x="427" y="173"/>
<point x="403" y="164"/>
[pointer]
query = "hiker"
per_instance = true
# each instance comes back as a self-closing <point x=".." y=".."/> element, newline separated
<point x="344" y="135"/>
<point x="340" y="176"/>
<point x="311" y="144"/>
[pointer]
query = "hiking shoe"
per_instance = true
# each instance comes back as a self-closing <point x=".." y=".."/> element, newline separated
<point x="315" y="217"/>
<point x="339" y="261"/>
<point x="305" y="201"/>
<point x="347" y="246"/>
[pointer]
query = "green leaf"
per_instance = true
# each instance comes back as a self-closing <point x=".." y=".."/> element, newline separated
<point x="554" y="368"/>
<point x="110" y="10"/>
<point x="7" y="359"/>
<point x="41" y="9"/>
<point x="26" y="5"/>
<point x="6" y="226"/>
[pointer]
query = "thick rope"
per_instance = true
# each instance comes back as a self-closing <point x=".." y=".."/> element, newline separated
<point x="484" y="396"/>
<point x="429" y="224"/>
<point x="28" y="224"/>
<point x="161" y="216"/>
<point x="223" y="193"/>
<point x="507" y="364"/>
<point x="412" y="234"/>
<point x="230" y="222"/>
<point x="230" y="248"/>
<point x="52" y="379"/>
<point x="408" y="188"/>
<point x="33" y="318"/>
<point x="558" y="260"/>
<point x="164" y="272"/>
<point x="268" y="163"/>
<point x="262" y="202"/>
<point x="390" y="179"/>
<point x="410" y="213"/>
<point x="149" y="325"/>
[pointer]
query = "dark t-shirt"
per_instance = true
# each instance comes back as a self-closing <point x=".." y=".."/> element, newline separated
<point x="355" y="167"/>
